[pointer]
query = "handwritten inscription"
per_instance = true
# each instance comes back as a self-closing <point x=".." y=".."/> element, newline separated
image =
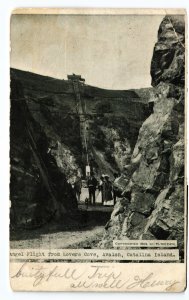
<point x="99" y="277"/>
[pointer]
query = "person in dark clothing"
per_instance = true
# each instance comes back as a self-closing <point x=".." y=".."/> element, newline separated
<point x="92" y="184"/>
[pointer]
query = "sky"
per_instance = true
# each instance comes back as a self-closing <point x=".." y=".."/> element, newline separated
<point x="109" y="51"/>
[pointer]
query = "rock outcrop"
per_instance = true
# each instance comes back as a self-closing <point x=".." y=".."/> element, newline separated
<point x="169" y="55"/>
<point x="46" y="144"/>
<point x="152" y="185"/>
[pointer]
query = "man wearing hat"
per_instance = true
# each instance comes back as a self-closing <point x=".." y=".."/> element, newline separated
<point x="92" y="184"/>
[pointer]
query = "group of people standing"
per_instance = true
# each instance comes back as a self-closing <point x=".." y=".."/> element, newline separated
<point x="106" y="189"/>
<point x="104" y="186"/>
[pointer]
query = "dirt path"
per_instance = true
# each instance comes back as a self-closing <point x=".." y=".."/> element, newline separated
<point x="85" y="231"/>
<point x="64" y="239"/>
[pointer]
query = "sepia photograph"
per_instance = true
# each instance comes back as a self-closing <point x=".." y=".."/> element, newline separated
<point x="97" y="140"/>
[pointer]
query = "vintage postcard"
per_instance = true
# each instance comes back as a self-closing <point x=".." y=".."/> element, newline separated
<point x="97" y="150"/>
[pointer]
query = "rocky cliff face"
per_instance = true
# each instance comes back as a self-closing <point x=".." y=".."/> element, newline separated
<point x="46" y="148"/>
<point x="153" y="182"/>
<point x="39" y="190"/>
